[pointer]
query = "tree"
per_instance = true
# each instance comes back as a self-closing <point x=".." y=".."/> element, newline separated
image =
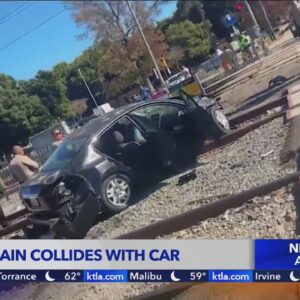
<point x="185" y="10"/>
<point x="7" y="82"/>
<point x="193" y="38"/>
<point x="215" y="11"/>
<point x="175" y="55"/>
<point x="79" y="107"/>
<point x="49" y="87"/>
<point x="276" y="11"/>
<point x="28" y="107"/>
<point x="119" y="52"/>
<point x="76" y="88"/>
<point x="20" y="117"/>
<point x="111" y="20"/>
<point x="189" y="10"/>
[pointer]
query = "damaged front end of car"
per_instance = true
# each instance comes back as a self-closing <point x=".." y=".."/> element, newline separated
<point x="207" y="102"/>
<point x="68" y="205"/>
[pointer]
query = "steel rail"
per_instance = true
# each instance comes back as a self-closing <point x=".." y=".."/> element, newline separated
<point x="210" y="210"/>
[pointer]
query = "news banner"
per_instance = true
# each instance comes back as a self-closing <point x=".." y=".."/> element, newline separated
<point x="149" y="261"/>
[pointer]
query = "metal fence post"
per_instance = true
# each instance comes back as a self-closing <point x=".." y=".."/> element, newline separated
<point x="296" y="194"/>
<point x="196" y="78"/>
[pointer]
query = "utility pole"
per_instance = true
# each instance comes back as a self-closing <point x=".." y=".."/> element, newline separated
<point x="145" y="41"/>
<point x="272" y="35"/>
<point x="79" y="71"/>
<point x="256" y="27"/>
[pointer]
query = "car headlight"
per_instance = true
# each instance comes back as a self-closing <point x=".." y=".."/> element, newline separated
<point x="63" y="191"/>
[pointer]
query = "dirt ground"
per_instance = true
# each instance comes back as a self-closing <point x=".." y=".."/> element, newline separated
<point x="242" y="291"/>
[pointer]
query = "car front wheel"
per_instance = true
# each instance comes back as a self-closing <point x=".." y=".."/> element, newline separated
<point x="116" y="193"/>
<point x="221" y="123"/>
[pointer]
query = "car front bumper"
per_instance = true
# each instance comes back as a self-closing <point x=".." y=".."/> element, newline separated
<point x="61" y="227"/>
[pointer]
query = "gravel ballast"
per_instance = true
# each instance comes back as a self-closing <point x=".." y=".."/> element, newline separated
<point x="78" y="291"/>
<point x="271" y="216"/>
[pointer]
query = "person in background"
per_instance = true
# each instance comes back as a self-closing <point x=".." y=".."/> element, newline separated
<point x="144" y="92"/>
<point x="127" y="100"/>
<point x="219" y="52"/>
<point x="133" y="99"/>
<point x="58" y="137"/>
<point x="244" y="46"/>
<point x="186" y="71"/>
<point x="226" y="60"/>
<point x="21" y="166"/>
<point x="234" y="61"/>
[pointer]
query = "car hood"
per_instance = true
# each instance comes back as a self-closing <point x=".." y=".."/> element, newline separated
<point x="44" y="178"/>
<point x="34" y="186"/>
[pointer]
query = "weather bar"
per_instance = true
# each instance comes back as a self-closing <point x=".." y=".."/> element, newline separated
<point x="114" y="276"/>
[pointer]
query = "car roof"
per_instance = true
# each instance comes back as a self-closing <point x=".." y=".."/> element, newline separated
<point x="96" y="125"/>
<point x="175" y="75"/>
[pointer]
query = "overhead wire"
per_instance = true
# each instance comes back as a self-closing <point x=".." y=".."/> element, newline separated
<point x="17" y="11"/>
<point x="32" y="30"/>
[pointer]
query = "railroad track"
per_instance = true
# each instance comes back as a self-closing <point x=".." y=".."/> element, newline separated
<point x="14" y="222"/>
<point x="20" y="220"/>
<point x="192" y="217"/>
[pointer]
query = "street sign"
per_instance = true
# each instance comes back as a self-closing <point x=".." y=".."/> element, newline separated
<point x="229" y="20"/>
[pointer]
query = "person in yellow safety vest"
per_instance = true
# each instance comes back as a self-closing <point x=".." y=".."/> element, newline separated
<point x="243" y="42"/>
<point x="244" y="45"/>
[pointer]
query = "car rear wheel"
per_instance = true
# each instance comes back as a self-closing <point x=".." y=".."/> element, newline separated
<point x="221" y="123"/>
<point x="116" y="193"/>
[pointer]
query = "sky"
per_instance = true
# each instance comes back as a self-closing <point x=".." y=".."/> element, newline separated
<point x="51" y="43"/>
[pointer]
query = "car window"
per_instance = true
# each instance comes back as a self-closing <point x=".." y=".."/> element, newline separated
<point x="63" y="155"/>
<point x="188" y="100"/>
<point x="152" y="117"/>
<point x="122" y="132"/>
<point x="173" y="79"/>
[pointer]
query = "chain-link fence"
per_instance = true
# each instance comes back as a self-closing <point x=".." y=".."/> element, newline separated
<point x="220" y="66"/>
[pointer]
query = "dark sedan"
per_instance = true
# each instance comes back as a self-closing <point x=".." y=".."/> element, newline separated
<point x="99" y="165"/>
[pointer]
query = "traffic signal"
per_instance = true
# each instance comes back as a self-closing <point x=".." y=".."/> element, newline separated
<point x="239" y="5"/>
<point x="162" y="62"/>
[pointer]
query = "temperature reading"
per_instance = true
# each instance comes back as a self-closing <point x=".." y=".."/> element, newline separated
<point x="72" y="276"/>
<point x="196" y="275"/>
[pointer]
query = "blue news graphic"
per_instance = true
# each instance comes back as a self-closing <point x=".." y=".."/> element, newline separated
<point x="145" y="276"/>
<point x="277" y="254"/>
<point x="27" y="276"/>
<point x="230" y="276"/>
<point x="167" y="275"/>
<point x="105" y="276"/>
<point x="276" y="276"/>
<point x="41" y="276"/>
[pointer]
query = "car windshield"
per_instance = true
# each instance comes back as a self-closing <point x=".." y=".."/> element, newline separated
<point x="63" y="155"/>
<point x="174" y="78"/>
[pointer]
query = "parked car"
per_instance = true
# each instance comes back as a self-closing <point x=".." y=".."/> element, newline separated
<point x="83" y="121"/>
<point x="98" y="167"/>
<point x="177" y="78"/>
<point x="161" y="94"/>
